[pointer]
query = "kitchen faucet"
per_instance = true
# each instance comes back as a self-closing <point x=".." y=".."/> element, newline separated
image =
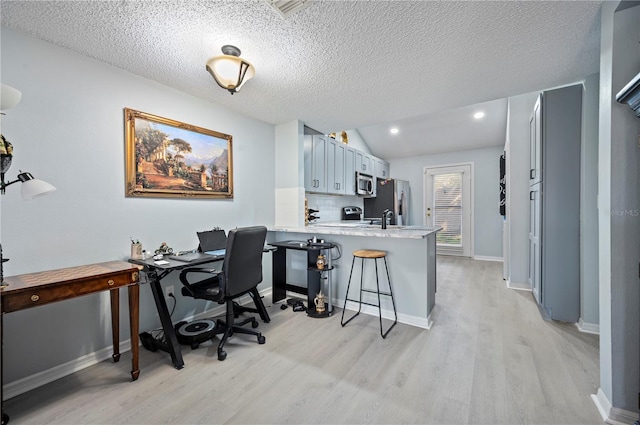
<point x="387" y="214"/>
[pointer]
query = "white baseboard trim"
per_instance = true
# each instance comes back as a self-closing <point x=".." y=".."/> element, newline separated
<point x="588" y="328"/>
<point x="44" y="377"/>
<point x="519" y="286"/>
<point x="407" y="319"/>
<point x="488" y="258"/>
<point x="612" y="415"/>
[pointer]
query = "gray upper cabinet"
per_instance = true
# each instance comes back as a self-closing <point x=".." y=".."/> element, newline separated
<point x="535" y="133"/>
<point x="330" y="166"/>
<point x="363" y="163"/>
<point x="380" y="168"/>
<point x="315" y="163"/>
<point x="350" y="171"/>
<point x="336" y="155"/>
<point x="554" y="234"/>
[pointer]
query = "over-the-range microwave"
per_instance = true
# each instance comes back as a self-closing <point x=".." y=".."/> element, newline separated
<point x="364" y="184"/>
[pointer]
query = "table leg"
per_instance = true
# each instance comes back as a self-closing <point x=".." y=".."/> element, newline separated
<point x="115" y="323"/>
<point x="172" y="346"/>
<point x="5" y="417"/>
<point x="134" y="324"/>
<point x="279" y="275"/>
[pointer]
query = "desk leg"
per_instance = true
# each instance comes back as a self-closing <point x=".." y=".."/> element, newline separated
<point x="134" y="324"/>
<point x="262" y="310"/>
<point x="115" y="323"/>
<point x="279" y="275"/>
<point x="5" y="417"/>
<point x="172" y="346"/>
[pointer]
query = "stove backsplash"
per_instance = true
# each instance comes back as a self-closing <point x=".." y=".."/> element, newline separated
<point x="330" y="206"/>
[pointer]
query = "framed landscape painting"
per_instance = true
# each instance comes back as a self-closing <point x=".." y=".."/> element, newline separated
<point x="171" y="159"/>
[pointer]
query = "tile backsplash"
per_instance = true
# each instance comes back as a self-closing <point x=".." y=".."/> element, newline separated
<point x="330" y="206"/>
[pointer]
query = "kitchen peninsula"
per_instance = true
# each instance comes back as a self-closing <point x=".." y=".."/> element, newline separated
<point x="411" y="256"/>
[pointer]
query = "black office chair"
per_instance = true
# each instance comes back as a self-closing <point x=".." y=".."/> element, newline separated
<point x="241" y="273"/>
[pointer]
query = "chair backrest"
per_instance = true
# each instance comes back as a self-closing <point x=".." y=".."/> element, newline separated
<point x="243" y="259"/>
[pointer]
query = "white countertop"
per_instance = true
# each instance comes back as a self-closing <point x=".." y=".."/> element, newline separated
<point x="356" y="228"/>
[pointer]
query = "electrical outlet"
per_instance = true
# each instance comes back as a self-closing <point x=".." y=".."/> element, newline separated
<point x="168" y="291"/>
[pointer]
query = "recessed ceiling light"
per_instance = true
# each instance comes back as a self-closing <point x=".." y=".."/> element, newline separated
<point x="394" y="130"/>
<point x="478" y="115"/>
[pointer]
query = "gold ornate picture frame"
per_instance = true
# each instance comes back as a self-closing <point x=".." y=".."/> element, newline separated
<point x="170" y="159"/>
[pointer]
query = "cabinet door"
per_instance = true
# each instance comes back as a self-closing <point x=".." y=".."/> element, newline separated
<point x="363" y="163"/>
<point x="350" y="171"/>
<point x="315" y="167"/>
<point x="381" y="168"/>
<point x="535" y="222"/>
<point x="335" y="167"/>
<point x="535" y="143"/>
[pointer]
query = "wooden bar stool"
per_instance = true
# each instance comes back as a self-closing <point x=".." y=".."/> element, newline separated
<point x="364" y="254"/>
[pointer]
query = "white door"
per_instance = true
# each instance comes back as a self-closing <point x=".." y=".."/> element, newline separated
<point x="447" y="204"/>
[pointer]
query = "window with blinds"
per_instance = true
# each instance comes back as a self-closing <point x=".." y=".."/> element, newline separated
<point x="447" y="208"/>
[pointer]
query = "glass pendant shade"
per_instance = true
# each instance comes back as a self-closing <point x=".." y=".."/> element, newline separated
<point x="229" y="70"/>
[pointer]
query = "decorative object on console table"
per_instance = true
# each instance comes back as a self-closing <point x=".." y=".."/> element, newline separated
<point x="157" y="150"/>
<point x="136" y="249"/>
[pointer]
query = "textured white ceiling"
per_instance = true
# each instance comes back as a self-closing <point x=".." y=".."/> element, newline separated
<point x="335" y="64"/>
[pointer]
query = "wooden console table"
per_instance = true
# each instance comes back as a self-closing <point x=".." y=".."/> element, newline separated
<point x="34" y="289"/>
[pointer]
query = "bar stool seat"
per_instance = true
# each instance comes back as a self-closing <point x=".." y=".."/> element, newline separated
<point x="365" y="254"/>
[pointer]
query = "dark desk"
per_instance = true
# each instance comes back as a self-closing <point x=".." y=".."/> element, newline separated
<point x="34" y="289"/>
<point x="314" y="275"/>
<point x="157" y="272"/>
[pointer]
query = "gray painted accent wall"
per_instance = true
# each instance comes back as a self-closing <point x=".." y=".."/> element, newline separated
<point x="618" y="204"/>
<point x="69" y="130"/>
<point x="589" y="310"/>
<point x="624" y="216"/>
<point x="487" y="226"/>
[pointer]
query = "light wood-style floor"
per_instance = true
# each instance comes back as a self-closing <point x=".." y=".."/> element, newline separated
<point x="489" y="359"/>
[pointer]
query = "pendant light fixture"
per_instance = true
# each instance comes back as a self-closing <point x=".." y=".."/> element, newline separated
<point x="229" y="70"/>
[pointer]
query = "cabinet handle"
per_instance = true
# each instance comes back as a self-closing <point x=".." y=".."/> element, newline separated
<point x="110" y="282"/>
<point x="35" y="298"/>
<point x="532" y="174"/>
<point x="532" y="195"/>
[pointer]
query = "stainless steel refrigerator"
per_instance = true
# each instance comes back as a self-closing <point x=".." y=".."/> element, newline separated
<point x="391" y="194"/>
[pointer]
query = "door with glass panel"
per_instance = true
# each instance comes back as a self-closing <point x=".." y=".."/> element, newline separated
<point x="448" y="205"/>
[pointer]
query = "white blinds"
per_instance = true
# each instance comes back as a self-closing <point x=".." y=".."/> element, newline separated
<point x="447" y="208"/>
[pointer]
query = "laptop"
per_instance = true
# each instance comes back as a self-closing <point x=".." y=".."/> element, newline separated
<point x="212" y="246"/>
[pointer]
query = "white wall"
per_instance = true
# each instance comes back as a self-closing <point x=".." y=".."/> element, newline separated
<point x="69" y="130"/>
<point x="487" y="226"/>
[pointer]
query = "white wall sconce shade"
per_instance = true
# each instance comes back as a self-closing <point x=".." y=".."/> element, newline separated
<point x="32" y="187"/>
<point x="9" y="97"/>
<point x="229" y="70"/>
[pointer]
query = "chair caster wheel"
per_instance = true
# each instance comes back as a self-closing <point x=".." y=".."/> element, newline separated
<point x="254" y="324"/>
<point x="261" y="339"/>
<point x="222" y="355"/>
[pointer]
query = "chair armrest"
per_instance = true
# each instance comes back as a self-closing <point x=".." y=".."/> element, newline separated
<point x="214" y="278"/>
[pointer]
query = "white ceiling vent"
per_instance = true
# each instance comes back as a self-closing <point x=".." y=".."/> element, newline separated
<point x="288" y="7"/>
